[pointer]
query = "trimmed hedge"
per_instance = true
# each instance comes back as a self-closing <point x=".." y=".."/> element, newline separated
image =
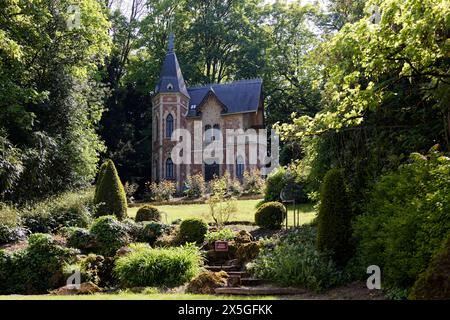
<point x="148" y="213"/>
<point x="270" y="215"/>
<point x="193" y="230"/>
<point x="110" y="196"/>
<point x="334" y="230"/>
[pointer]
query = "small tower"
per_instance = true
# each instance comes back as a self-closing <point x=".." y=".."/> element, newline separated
<point x="169" y="108"/>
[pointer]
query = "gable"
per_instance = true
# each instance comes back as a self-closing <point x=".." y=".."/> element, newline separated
<point x="237" y="97"/>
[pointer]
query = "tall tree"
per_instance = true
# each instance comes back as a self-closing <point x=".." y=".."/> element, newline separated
<point x="49" y="102"/>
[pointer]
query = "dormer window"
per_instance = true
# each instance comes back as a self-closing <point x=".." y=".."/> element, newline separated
<point x="170" y="87"/>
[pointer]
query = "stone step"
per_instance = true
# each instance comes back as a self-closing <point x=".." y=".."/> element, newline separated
<point x="252" y="281"/>
<point x="242" y="274"/>
<point x="222" y="268"/>
<point x="258" y="291"/>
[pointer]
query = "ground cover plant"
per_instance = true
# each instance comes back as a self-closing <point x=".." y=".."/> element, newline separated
<point x="163" y="266"/>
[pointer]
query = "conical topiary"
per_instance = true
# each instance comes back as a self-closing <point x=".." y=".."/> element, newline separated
<point x="101" y="173"/>
<point x="334" y="219"/>
<point x="110" y="196"/>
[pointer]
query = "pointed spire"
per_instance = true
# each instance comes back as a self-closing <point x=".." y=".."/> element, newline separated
<point x="171" y="42"/>
<point x="171" y="79"/>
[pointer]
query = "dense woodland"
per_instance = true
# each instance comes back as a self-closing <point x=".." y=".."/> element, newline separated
<point x="365" y="94"/>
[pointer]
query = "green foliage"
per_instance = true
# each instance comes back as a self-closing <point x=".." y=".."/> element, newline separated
<point x="148" y="213"/>
<point x="195" y="186"/>
<point x="9" y="215"/>
<point x="406" y="219"/>
<point x="334" y="229"/>
<point x="270" y="215"/>
<point x="110" y="235"/>
<point x="95" y="269"/>
<point x="274" y="185"/>
<point x="81" y="239"/>
<point x="11" y="166"/>
<point x="12" y="234"/>
<point x="162" y="191"/>
<point x="434" y="282"/>
<point x="35" y="269"/>
<point x="110" y="194"/>
<point x="193" y="230"/>
<point x="50" y="104"/>
<point x="149" y="231"/>
<point x="224" y="234"/>
<point x="253" y="182"/>
<point x="70" y="209"/>
<point x="221" y="202"/>
<point x="293" y="260"/>
<point x="247" y="252"/>
<point x="158" y="267"/>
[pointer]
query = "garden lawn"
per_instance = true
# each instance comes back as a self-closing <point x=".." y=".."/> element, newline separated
<point x="246" y="212"/>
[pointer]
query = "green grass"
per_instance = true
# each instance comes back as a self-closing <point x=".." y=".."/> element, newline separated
<point x="246" y="212"/>
<point x="136" y="296"/>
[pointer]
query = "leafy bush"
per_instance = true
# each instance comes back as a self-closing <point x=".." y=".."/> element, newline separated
<point x="222" y="206"/>
<point x="148" y="213"/>
<point x="193" y="230"/>
<point x="253" y="182"/>
<point x="10" y="229"/>
<point x="81" y="239"/>
<point x="9" y="216"/>
<point x="71" y="209"/>
<point x="406" y="219"/>
<point x="157" y="267"/>
<point x="35" y="269"/>
<point x="247" y="252"/>
<point x="233" y="185"/>
<point x="293" y="260"/>
<point x="110" y="235"/>
<point x="94" y="268"/>
<point x="162" y="191"/>
<point x="287" y="181"/>
<point x="434" y="282"/>
<point x="195" y="186"/>
<point x="132" y="228"/>
<point x="275" y="183"/>
<point x="334" y="229"/>
<point x="150" y="231"/>
<point x="110" y="195"/>
<point x="270" y="215"/>
<point x="12" y="234"/>
<point x="11" y="164"/>
<point x="225" y="234"/>
<point x="130" y="189"/>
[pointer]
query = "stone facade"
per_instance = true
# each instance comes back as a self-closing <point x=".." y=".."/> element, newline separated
<point x="217" y="107"/>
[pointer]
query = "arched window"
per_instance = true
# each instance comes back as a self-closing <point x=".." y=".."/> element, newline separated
<point x="169" y="169"/>
<point x="208" y="133"/>
<point x="169" y="126"/>
<point x="156" y="128"/>
<point x="215" y="132"/>
<point x="239" y="167"/>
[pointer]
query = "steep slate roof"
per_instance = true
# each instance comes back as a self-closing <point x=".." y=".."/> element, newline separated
<point x="171" y="74"/>
<point x="238" y="97"/>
